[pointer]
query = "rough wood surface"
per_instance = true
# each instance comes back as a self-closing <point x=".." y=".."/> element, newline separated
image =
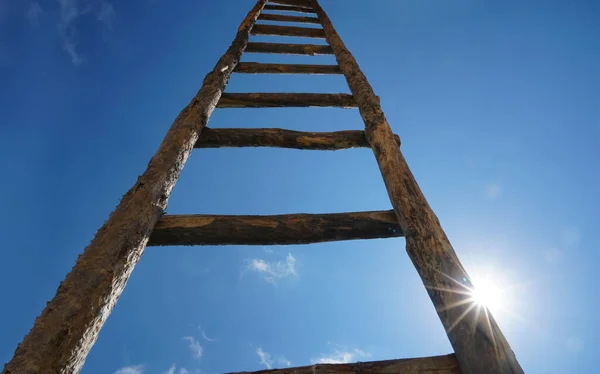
<point x="292" y="49"/>
<point x="63" y="334"/>
<point x="422" y="365"/>
<point x="261" y="68"/>
<point x="286" y="18"/>
<point x="289" y="8"/>
<point x="273" y="100"/>
<point x="275" y="30"/>
<point x="479" y="344"/>
<point x="273" y="230"/>
<point x="300" y="3"/>
<point x="269" y="137"/>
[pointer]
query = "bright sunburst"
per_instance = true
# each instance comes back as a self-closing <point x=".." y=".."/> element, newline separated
<point x="487" y="293"/>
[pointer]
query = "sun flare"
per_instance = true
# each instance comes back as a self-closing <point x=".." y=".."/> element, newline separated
<point x="487" y="293"/>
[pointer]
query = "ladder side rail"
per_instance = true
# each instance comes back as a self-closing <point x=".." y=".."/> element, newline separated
<point x="479" y="344"/>
<point x="65" y="331"/>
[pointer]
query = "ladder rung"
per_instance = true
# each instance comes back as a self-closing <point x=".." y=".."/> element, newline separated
<point x="288" y="8"/>
<point x="285" y="18"/>
<point x="447" y="364"/>
<point x="274" y="100"/>
<point x="294" y="49"/>
<point x="270" y="137"/>
<point x="276" y="30"/>
<point x="273" y="230"/>
<point x="300" y="3"/>
<point x="260" y="68"/>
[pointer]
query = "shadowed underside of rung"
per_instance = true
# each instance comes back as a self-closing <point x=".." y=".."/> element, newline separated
<point x="286" y="18"/>
<point x="274" y="100"/>
<point x="276" y="30"/>
<point x="273" y="230"/>
<point x="293" y="49"/>
<point x="261" y="68"/>
<point x="288" y="8"/>
<point x="270" y="137"/>
<point x="422" y="365"/>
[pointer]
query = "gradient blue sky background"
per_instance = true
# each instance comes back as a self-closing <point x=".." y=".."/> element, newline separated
<point x="498" y="108"/>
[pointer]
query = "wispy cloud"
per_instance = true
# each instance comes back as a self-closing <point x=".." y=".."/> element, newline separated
<point x="341" y="357"/>
<point x="106" y="14"/>
<point x="268" y="361"/>
<point x="492" y="191"/>
<point x="183" y="371"/>
<point x="205" y="337"/>
<point x="272" y="271"/>
<point x="70" y="13"/>
<point x="265" y="358"/>
<point x="171" y="370"/>
<point x="195" y="346"/>
<point x="134" y="369"/>
<point x="34" y="11"/>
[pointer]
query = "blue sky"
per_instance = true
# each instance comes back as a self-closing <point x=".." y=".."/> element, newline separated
<point x="498" y="108"/>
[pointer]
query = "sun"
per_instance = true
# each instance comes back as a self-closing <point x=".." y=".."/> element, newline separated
<point x="487" y="293"/>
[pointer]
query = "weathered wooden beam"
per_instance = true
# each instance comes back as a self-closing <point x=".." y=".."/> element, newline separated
<point x="286" y="18"/>
<point x="303" y="32"/>
<point x="289" y="8"/>
<point x="273" y="230"/>
<point x="63" y="334"/>
<point x="300" y="3"/>
<point x="274" y="100"/>
<point x="260" y="68"/>
<point x="269" y="137"/>
<point x="479" y="344"/>
<point x="423" y="365"/>
<point x="293" y="49"/>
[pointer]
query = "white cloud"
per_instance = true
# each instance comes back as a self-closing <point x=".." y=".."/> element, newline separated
<point x="106" y="14"/>
<point x="265" y="358"/>
<point x="194" y="346"/>
<point x="33" y="14"/>
<point x="207" y="338"/>
<point x="271" y="271"/>
<point x="134" y="369"/>
<point x="268" y="361"/>
<point x="340" y="357"/>
<point x="492" y="191"/>
<point x="183" y="371"/>
<point x="70" y="13"/>
<point x="171" y="370"/>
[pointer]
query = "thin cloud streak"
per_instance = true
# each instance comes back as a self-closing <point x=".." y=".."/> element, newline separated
<point x="272" y="271"/>
<point x="194" y="346"/>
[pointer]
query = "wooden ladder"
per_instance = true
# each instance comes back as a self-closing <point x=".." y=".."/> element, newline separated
<point x="68" y="327"/>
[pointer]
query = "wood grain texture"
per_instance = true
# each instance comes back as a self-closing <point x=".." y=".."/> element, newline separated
<point x="274" y="100"/>
<point x="262" y="68"/>
<point x="275" y="30"/>
<point x="289" y="8"/>
<point x="63" y="334"/>
<point x="423" y="365"/>
<point x="269" y="137"/>
<point x="282" y="229"/>
<point x="292" y="49"/>
<point x="286" y="18"/>
<point x="479" y="344"/>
